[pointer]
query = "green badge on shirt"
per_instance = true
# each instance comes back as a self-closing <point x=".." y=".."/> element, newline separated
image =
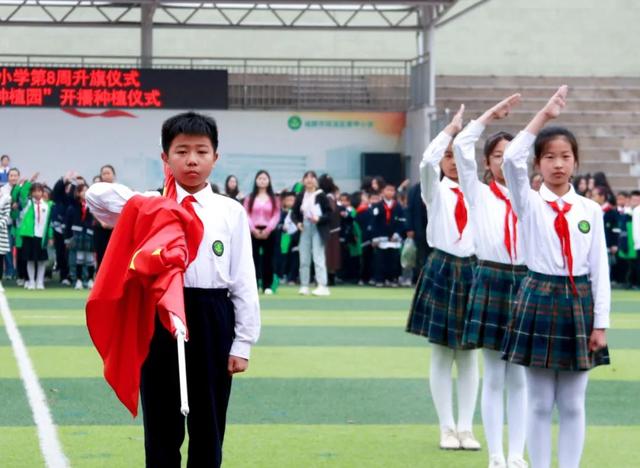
<point x="218" y="248"/>
<point x="584" y="226"/>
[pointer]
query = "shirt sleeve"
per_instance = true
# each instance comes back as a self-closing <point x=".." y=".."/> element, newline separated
<point x="599" y="273"/>
<point x="516" y="172"/>
<point x="635" y="227"/>
<point x="243" y="290"/>
<point x="430" y="166"/>
<point x="464" y="151"/>
<point x="249" y="217"/>
<point x="275" y="217"/>
<point x="106" y="200"/>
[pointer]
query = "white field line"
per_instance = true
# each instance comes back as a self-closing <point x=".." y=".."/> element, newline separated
<point x="49" y="442"/>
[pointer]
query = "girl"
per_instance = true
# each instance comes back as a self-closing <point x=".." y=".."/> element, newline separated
<point x="333" y="257"/>
<point x="498" y="245"/>
<point x="311" y="213"/>
<point x="231" y="188"/>
<point x="558" y="329"/>
<point x="264" y="213"/>
<point x="439" y="306"/>
<point x="102" y="232"/>
<point x="34" y="232"/>
<point x="79" y="225"/>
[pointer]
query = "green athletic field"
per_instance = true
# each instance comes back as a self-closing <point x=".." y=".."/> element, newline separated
<point x="333" y="382"/>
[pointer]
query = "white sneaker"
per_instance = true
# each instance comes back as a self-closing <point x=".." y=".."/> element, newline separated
<point x="304" y="290"/>
<point x="321" y="291"/>
<point x="65" y="282"/>
<point x="90" y="284"/>
<point x="497" y="461"/>
<point x="78" y="285"/>
<point x="449" y="440"/>
<point x="29" y="285"/>
<point x="40" y="286"/>
<point x="517" y="462"/>
<point x="468" y="441"/>
<point x="268" y="292"/>
<point x="20" y="282"/>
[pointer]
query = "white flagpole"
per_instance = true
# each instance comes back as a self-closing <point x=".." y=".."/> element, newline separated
<point x="182" y="365"/>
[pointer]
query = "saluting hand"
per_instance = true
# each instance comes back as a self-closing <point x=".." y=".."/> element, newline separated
<point x="558" y="101"/>
<point x="500" y="110"/>
<point x="455" y="125"/>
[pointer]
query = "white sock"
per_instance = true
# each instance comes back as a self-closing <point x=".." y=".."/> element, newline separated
<point x="541" y="389"/>
<point x="467" y="384"/>
<point x="42" y="265"/>
<point x="570" y="396"/>
<point x="516" y="409"/>
<point x="31" y="271"/>
<point x="440" y="382"/>
<point x="492" y="400"/>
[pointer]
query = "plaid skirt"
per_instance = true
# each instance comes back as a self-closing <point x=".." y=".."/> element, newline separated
<point x="438" y="310"/>
<point x="491" y="303"/>
<point x="551" y="327"/>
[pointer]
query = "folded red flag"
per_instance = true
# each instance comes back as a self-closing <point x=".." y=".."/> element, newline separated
<point x="142" y="272"/>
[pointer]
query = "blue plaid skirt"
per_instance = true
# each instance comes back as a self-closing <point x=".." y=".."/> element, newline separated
<point x="491" y="303"/>
<point x="438" y="310"/>
<point x="551" y="327"/>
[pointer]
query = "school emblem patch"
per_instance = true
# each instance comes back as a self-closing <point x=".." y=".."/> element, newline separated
<point x="218" y="248"/>
<point x="584" y="226"/>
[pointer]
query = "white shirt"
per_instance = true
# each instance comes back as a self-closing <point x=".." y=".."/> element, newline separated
<point x="224" y="220"/>
<point x="635" y="226"/>
<point x="541" y="243"/>
<point x="40" y="221"/>
<point x="442" y="231"/>
<point x="486" y="210"/>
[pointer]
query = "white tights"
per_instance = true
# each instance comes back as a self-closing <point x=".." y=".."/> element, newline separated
<point x="567" y="390"/>
<point x="31" y="272"/>
<point x="441" y="383"/>
<point x="499" y="374"/>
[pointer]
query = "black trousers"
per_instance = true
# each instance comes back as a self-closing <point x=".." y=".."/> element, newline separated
<point x="101" y="237"/>
<point x="210" y="320"/>
<point x="264" y="262"/>
<point x="366" y="263"/>
<point x="386" y="264"/>
<point x="62" y="255"/>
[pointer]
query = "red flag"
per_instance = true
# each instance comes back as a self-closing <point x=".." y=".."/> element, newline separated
<point x="142" y="273"/>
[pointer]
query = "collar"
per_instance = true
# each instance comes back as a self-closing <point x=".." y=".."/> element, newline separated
<point x="503" y="188"/>
<point x="449" y="183"/>
<point x="547" y="195"/>
<point x="388" y="202"/>
<point x="203" y="197"/>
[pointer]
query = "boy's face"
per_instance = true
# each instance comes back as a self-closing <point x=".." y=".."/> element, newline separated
<point x="288" y="202"/>
<point x="5" y="161"/>
<point x="345" y="201"/>
<point x="389" y="192"/>
<point x="621" y="200"/>
<point x="191" y="159"/>
<point x="374" y="198"/>
<point x="635" y="201"/>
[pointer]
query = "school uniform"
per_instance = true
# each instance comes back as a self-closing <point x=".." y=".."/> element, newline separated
<point x="438" y="310"/>
<point x="364" y="219"/>
<point x="388" y="229"/>
<point x="350" y="244"/>
<point x="566" y="293"/>
<point x="61" y="199"/>
<point x="34" y="230"/>
<point x="626" y="255"/>
<point x="498" y="246"/>
<point x="223" y="318"/>
<point x="78" y="237"/>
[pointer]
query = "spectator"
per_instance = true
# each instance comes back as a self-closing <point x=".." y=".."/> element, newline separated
<point x="102" y="231"/>
<point x="79" y="224"/>
<point x="581" y="185"/>
<point x="231" y="188"/>
<point x="416" y="215"/>
<point x="388" y="230"/>
<point x="311" y="213"/>
<point x="350" y="240"/>
<point x="5" y="161"/>
<point x="332" y="245"/>
<point x="611" y="226"/>
<point x="264" y="213"/>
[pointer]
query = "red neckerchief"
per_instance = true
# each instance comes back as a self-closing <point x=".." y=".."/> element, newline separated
<point x="388" y="209"/>
<point x="83" y="210"/>
<point x="460" y="212"/>
<point x="607" y="207"/>
<point x="562" y="229"/>
<point x="38" y="211"/>
<point x="514" y="219"/>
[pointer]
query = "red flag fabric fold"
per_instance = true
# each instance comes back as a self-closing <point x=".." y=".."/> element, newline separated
<point x="142" y="272"/>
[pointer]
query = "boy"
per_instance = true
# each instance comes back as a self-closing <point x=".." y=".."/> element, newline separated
<point x="5" y="161"/>
<point x="388" y="229"/>
<point x="220" y="297"/>
<point x="350" y="237"/>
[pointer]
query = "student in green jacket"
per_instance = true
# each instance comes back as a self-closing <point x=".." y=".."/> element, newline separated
<point x="33" y="234"/>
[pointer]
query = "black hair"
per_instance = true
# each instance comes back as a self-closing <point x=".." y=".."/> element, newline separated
<point x="229" y="192"/>
<point x="77" y="189"/>
<point x="493" y="140"/>
<point x="15" y="169"/>
<point x="576" y="183"/>
<point x="215" y="189"/>
<point x="549" y="134"/>
<point x="310" y="173"/>
<point x="600" y="179"/>
<point x="108" y="166"/>
<point x="345" y="194"/>
<point x="189" y="123"/>
<point x="326" y="184"/>
<point x="254" y="192"/>
<point x="356" y="198"/>
<point x="623" y="193"/>
<point x="388" y="184"/>
<point x="635" y="193"/>
<point x="36" y="186"/>
<point x="4" y="156"/>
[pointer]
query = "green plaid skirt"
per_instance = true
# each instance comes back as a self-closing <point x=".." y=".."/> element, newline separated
<point x="551" y="327"/>
<point x="491" y="303"/>
<point x="438" y="310"/>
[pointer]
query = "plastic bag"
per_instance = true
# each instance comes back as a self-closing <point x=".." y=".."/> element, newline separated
<point x="408" y="254"/>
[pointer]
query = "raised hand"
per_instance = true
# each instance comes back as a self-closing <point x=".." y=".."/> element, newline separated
<point x="500" y="110"/>
<point x="455" y="125"/>
<point x="558" y="101"/>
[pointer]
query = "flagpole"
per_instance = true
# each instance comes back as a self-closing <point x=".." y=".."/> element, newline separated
<point x="182" y="371"/>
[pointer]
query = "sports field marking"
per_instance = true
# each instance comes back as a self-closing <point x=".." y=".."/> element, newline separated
<point x="49" y="443"/>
